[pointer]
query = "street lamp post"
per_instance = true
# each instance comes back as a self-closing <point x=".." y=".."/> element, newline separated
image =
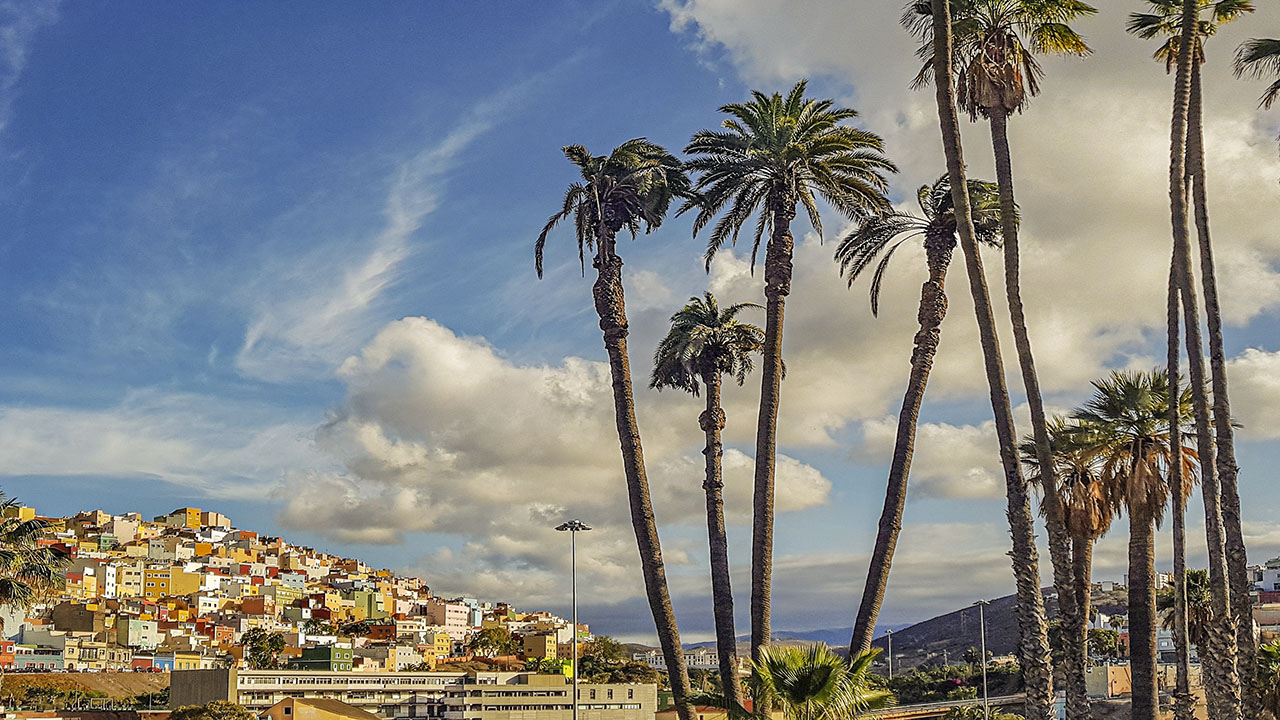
<point x="982" y="630"/>
<point x="889" y="654"/>
<point x="573" y="527"/>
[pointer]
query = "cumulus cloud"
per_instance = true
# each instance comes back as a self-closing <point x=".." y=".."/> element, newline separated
<point x="1254" y="383"/>
<point x="442" y="434"/>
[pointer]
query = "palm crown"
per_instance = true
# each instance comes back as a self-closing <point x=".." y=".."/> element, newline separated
<point x="1089" y="503"/>
<point x="1259" y="58"/>
<point x="874" y="236"/>
<point x="994" y="45"/>
<point x="814" y="683"/>
<point x="705" y="340"/>
<point x="27" y="568"/>
<point x="775" y="152"/>
<point x="632" y="186"/>
<point x="1127" y="418"/>
<point x="1165" y="21"/>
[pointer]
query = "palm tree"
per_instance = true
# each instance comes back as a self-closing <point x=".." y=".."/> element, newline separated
<point x="1220" y="669"/>
<point x="1199" y="606"/>
<point x="1126" y="423"/>
<point x="774" y="155"/>
<point x="1268" y="672"/>
<point x="995" y="45"/>
<point x="1164" y="21"/>
<point x="631" y="187"/>
<point x="1087" y="506"/>
<point x="813" y="683"/>
<point x="704" y="343"/>
<point x="1183" y="700"/>
<point x="879" y="236"/>
<point x="1033" y="628"/>
<point x="1260" y="57"/>
<point x="29" y="571"/>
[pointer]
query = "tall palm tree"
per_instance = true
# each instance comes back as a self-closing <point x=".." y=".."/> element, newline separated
<point x="1033" y="647"/>
<point x="814" y="683"/>
<point x="630" y="188"/>
<point x="879" y="236"/>
<point x="1222" y="681"/>
<point x="774" y="155"/>
<point x="1163" y="21"/>
<point x="704" y="343"/>
<point x="1183" y="700"/>
<point x="1087" y="506"/>
<point x="1126" y="422"/>
<point x="995" y="45"/>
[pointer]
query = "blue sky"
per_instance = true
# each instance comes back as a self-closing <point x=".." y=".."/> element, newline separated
<point x="276" y="260"/>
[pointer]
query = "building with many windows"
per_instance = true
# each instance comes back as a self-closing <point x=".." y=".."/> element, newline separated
<point x="439" y="695"/>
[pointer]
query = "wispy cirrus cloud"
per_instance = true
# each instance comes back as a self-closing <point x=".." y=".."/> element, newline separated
<point x="311" y="312"/>
<point x="19" y="23"/>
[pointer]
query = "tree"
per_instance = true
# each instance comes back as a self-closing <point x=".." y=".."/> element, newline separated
<point x="606" y="649"/>
<point x="1033" y="646"/>
<point x="1164" y="21"/>
<point x="630" y="188"/>
<point x="813" y="683"/>
<point x="1086" y="506"/>
<point x="774" y="155"/>
<point x="316" y="626"/>
<point x="29" y="571"/>
<point x="262" y="648"/>
<point x="1104" y="642"/>
<point x="703" y="344"/>
<point x="216" y="710"/>
<point x="880" y="236"/>
<point x="1124" y="421"/>
<point x="1268" y="673"/>
<point x="492" y="642"/>
<point x="994" y="49"/>
<point x="1199" y="606"/>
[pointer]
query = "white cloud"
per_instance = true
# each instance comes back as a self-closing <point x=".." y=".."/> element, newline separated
<point x="441" y="434"/>
<point x="19" y="24"/>
<point x="1253" y="379"/>
<point x="311" y="311"/>
<point x="221" y="448"/>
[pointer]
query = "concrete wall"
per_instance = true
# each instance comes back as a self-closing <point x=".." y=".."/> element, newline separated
<point x="201" y="687"/>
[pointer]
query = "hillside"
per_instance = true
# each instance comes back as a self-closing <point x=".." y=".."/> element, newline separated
<point x="958" y="631"/>
<point x="119" y="686"/>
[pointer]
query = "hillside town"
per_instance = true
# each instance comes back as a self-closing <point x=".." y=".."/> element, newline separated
<point x="189" y="591"/>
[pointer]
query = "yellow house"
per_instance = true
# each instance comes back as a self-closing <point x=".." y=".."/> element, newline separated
<point x="186" y="660"/>
<point x="438" y="643"/>
<point x="22" y="512"/>
<point x="539" y="646"/>
<point x="182" y="582"/>
<point x="155" y="583"/>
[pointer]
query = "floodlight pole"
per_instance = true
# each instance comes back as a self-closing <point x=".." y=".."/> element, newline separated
<point x="982" y="629"/>
<point x="573" y="527"/>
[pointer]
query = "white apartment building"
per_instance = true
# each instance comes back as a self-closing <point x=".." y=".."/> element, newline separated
<point x="442" y="695"/>
<point x="453" y="617"/>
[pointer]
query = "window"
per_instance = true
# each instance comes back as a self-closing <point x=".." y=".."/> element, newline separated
<point x="631" y="693"/>
<point x="609" y="694"/>
<point x="288" y="710"/>
<point x="593" y="694"/>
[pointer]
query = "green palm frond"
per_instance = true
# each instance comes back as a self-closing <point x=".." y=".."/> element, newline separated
<point x="1260" y="57"/>
<point x="994" y="45"/>
<point x="631" y="189"/>
<point x="775" y="154"/>
<point x="874" y="235"/>
<point x="814" y="683"/>
<point x="1163" y="20"/>
<point x="704" y="341"/>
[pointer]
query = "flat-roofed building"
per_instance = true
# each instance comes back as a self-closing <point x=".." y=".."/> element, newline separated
<point x="439" y="695"/>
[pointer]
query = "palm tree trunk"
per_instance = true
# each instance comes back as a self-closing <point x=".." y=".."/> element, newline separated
<point x="610" y="306"/>
<point x="1228" y="470"/>
<point x="1059" y="540"/>
<point x="1142" y="616"/>
<point x="933" y="308"/>
<point x="1033" y="646"/>
<point x="1078" y="634"/>
<point x="777" y="285"/>
<point x="712" y="422"/>
<point x="1217" y="660"/>
<point x="1183" y="701"/>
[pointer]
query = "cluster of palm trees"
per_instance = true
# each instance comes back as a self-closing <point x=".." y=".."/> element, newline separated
<point x="777" y="154"/>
